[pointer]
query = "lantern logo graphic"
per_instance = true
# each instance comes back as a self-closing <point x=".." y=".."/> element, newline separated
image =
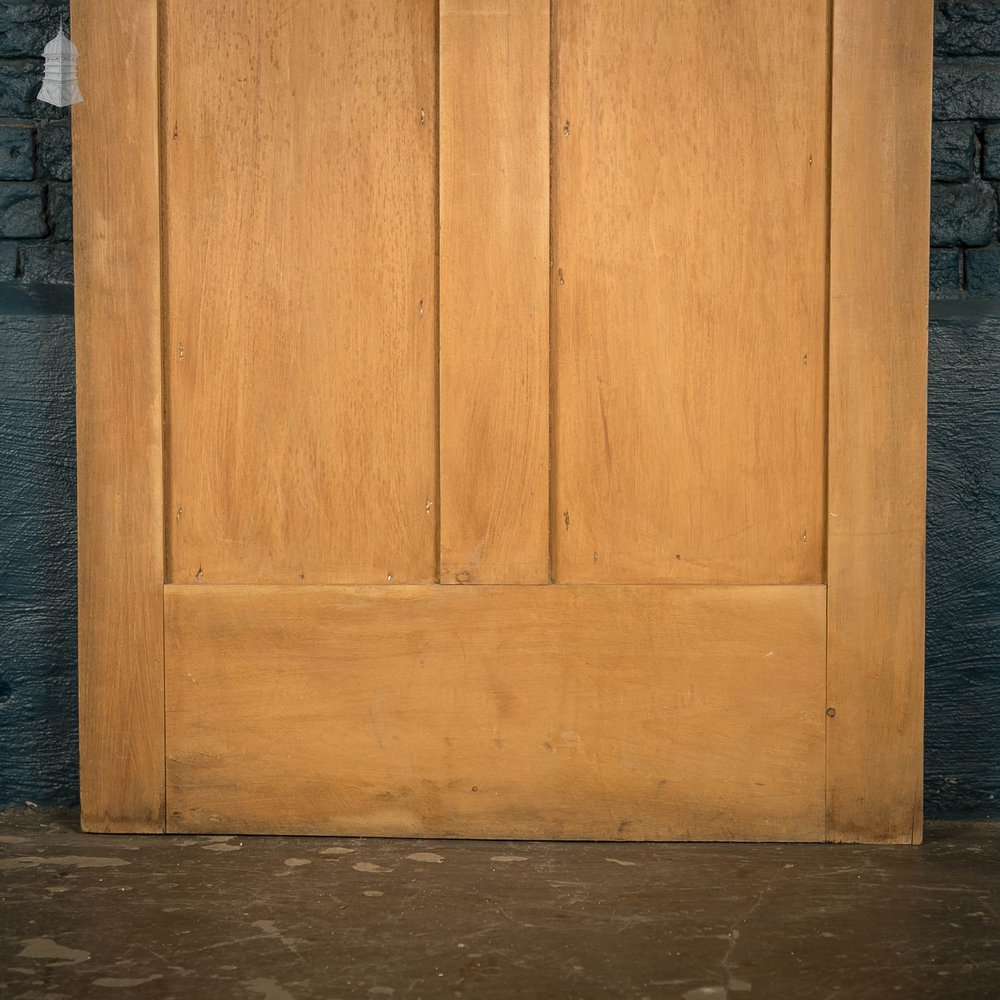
<point x="59" y="86"/>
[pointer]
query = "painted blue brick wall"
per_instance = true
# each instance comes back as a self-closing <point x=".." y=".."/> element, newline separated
<point x="38" y="706"/>
<point x="962" y="772"/>
<point x="35" y="193"/>
<point x="38" y="731"/>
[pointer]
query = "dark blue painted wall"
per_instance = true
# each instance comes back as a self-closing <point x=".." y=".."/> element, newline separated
<point x="38" y="752"/>
<point x="962" y="774"/>
<point x="38" y="729"/>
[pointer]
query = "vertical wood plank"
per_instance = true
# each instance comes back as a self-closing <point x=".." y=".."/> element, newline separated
<point x="494" y="272"/>
<point x="877" y="435"/>
<point x="119" y="426"/>
<point x="299" y="160"/>
<point x="689" y="297"/>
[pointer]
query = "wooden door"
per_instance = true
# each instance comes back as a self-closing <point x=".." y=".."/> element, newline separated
<point x="502" y="418"/>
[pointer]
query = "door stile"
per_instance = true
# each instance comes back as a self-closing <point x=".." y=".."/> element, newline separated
<point x="881" y="104"/>
<point x="494" y="291"/>
<point x="119" y="416"/>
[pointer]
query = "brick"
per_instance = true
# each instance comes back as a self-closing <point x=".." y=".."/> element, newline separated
<point x="982" y="272"/>
<point x="20" y="82"/>
<point x="967" y="28"/>
<point x="54" y="149"/>
<point x="16" y="82"/>
<point x="991" y="153"/>
<point x="963" y="214"/>
<point x="21" y="211"/>
<point x="966" y="91"/>
<point x="17" y="153"/>
<point x="60" y="211"/>
<point x="26" y="27"/>
<point x="953" y="151"/>
<point x="946" y="274"/>
<point x="8" y="261"/>
<point x="47" y="264"/>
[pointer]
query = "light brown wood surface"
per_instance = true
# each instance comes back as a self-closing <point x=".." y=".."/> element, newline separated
<point x="689" y="299"/>
<point x="299" y="194"/>
<point x="878" y="359"/>
<point x="494" y="357"/>
<point x="326" y="442"/>
<point x="116" y="223"/>
<point x="564" y="712"/>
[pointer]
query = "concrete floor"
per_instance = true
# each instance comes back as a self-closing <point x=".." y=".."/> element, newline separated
<point x="287" y="917"/>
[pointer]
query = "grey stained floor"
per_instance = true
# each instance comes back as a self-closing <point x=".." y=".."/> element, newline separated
<point x="296" y="917"/>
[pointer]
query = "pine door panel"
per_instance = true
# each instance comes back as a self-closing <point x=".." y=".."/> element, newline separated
<point x="689" y="305"/>
<point x="597" y="712"/>
<point x="300" y="219"/>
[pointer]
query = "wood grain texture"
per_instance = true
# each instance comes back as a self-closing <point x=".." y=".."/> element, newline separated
<point x="494" y="291"/>
<point x="690" y="208"/>
<point x="300" y="177"/>
<point x="119" y="444"/>
<point x="542" y="712"/>
<point x="878" y="360"/>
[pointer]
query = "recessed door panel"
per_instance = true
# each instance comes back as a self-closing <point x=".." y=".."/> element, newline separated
<point x="299" y="185"/>
<point x="608" y="712"/>
<point x="689" y="305"/>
